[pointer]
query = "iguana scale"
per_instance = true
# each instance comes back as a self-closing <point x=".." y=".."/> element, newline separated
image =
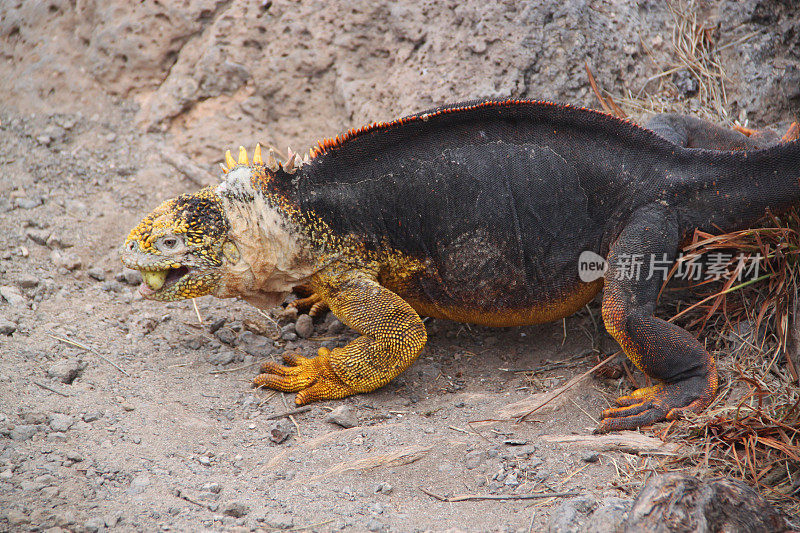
<point x="474" y="212"/>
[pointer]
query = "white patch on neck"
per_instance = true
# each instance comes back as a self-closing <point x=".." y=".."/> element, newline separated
<point x="273" y="258"/>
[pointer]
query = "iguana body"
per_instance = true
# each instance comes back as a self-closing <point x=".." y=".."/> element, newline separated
<point x="476" y="212"/>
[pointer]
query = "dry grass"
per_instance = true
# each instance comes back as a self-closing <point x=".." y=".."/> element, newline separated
<point x="752" y="430"/>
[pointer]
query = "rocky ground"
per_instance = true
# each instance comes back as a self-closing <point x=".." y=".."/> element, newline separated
<point x="125" y="414"/>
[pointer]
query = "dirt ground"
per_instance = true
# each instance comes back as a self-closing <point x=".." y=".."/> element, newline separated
<point x="120" y="413"/>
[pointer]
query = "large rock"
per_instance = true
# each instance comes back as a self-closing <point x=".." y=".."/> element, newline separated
<point x="222" y="73"/>
<point x="675" y="503"/>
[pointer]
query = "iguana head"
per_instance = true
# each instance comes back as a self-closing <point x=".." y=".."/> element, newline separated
<point x="181" y="247"/>
<point x="232" y="240"/>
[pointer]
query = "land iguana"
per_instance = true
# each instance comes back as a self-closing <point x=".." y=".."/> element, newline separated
<point x="474" y="212"/>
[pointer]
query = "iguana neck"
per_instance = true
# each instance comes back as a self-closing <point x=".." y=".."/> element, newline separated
<point x="274" y="256"/>
<point x="731" y="190"/>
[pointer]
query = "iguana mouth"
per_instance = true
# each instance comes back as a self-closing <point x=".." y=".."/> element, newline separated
<point x="157" y="280"/>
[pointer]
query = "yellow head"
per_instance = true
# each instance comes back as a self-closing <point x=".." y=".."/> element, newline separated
<point x="181" y="247"/>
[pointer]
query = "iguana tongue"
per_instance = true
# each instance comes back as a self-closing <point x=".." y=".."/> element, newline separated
<point x="155" y="280"/>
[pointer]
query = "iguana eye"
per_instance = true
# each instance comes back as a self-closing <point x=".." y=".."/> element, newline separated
<point x="170" y="243"/>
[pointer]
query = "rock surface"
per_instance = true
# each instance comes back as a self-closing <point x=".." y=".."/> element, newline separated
<point x="675" y="503"/>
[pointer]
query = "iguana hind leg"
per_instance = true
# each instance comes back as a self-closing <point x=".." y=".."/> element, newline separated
<point x="392" y="336"/>
<point x="693" y="132"/>
<point x="308" y="301"/>
<point x="664" y="351"/>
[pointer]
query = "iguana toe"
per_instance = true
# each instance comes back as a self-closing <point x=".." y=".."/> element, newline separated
<point x="312" y="378"/>
<point x="649" y="405"/>
<point x="313" y="305"/>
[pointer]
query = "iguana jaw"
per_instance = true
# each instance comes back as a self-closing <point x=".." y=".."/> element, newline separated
<point x="172" y="279"/>
<point x="156" y="280"/>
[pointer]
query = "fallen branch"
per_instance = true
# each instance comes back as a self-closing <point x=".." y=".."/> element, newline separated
<point x="524" y="408"/>
<point x="477" y="497"/>
<point x="89" y="349"/>
<point x="624" y="441"/>
<point x="288" y="413"/>
<point x="45" y="387"/>
<point x="400" y="457"/>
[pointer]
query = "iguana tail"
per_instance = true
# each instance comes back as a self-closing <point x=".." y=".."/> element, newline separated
<point x="731" y="190"/>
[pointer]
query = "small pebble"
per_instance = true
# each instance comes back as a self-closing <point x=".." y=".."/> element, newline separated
<point x="139" y="484"/>
<point x="224" y="357"/>
<point x="342" y="416"/>
<point x="204" y="460"/>
<point x="94" y="524"/>
<point x="374" y="526"/>
<point x="28" y="203"/>
<point x="28" y="281"/>
<point x="212" y="487"/>
<point x="591" y="457"/>
<point x="474" y="459"/>
<point x="67" y="260"/>
<point x="56" y="241"/>
<point x="65" y="519"/>
<point x="12" y="295"/>
<point x="92" y="416"/>
<point x="280" y="431"/>
<point x="384" y="488"/>
<point x="215" y="325"/>
<point x="7" y="327"/>
<point x="226" y="335"/>
<point x="74" y="456"/>
<point x="235" y="509"/>
<point x="96" y="273"/>
<point x="279" y="521"/>
<point x="66" y="371"/>
<point x="335" y="327"/>
<point x="39" y="236"/>
<point x="129" y="276"/>
<point x="61" y="422"/>
<point x="16" y="518"/>
<point x="304" y="326"/>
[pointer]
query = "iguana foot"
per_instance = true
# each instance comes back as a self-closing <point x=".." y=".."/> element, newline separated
<point x="649" y="405"/>
<point x="313" y="379"/>
<point x="313" y="305"/>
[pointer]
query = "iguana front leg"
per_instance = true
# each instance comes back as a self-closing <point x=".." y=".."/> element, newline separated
<point x="392" y="335"/>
